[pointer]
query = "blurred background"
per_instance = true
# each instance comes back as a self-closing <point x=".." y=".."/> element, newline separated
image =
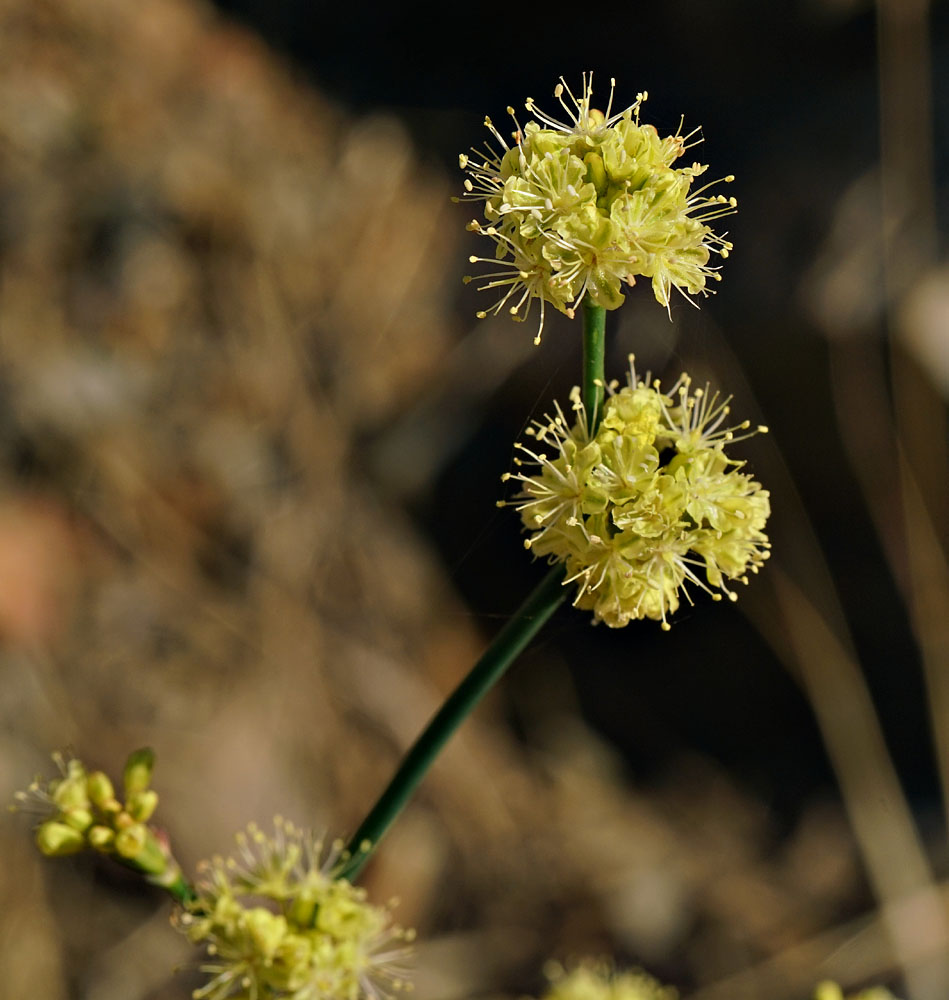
<point x="251" y="438"/>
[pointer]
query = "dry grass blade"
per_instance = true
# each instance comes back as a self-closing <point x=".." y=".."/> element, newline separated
<point x="857" y="951"/>
<point x="883" y="825"/>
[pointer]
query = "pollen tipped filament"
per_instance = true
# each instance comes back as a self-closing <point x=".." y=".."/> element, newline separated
<point x="585" y="205"/>
<point x="650" y="507"/>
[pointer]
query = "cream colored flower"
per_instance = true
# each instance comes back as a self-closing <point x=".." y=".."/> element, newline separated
<point x="647" y="505"/>
<point x="599" y="981"/>
<point x="831" y="991"/>
<point x="277" y="924"/>
<point x="583" y="207"/>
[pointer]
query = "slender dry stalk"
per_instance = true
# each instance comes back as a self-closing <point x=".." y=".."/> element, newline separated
<point x="808" y="630"/>
<point x="883" y="824"/>
<point x="860" y="950"/>
<point x="908" y="201"/>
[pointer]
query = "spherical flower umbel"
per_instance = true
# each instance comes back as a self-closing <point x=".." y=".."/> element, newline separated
<point x="277" y="924"/>
<point x="647" y="505"/>
<point x="584" y="207"/>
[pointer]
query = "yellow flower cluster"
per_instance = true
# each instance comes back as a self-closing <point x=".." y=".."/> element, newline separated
<point x="639" y="508"/>
<point x="598" y="981"/>
<point x="82" y="810"/>
<point x="277" y="924"/>
<point x="586" y="206"/>
<point x="831" y="991"/>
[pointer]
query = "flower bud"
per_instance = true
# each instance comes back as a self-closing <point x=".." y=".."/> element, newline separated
<point x="79" y="819"/>
<point x="141" y="805"/>
<point x="101" y="838"/>
<point x="130" y="841"/>
<point x="138" y="771"/>
<point x="303" y="909"/>
<point x="69" y="792"/>
<point x="596" y="172"/>
<point x="55" y="839"/>
<point x="101" y="792"/>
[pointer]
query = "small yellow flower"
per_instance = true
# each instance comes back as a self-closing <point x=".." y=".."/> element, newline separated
<point x="584" y="207"/>
<point x="277" y="924"/>
<point x="598" y="981"/>
<point x="638" y="510"/>
<point x="831" y="991"/>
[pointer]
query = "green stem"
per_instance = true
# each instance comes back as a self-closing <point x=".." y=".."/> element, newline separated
<point x="166" y="874"/>
<point x="507" y="645"/>
<point x="181" y="891"/>
<point x="594" y="345"/>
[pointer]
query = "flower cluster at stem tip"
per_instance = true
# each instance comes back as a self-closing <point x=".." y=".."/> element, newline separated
<point x="277" y="923"/>
<point x="584" y="207"/>
<point x="80" y="811"/>
<point x="642" y="506"/>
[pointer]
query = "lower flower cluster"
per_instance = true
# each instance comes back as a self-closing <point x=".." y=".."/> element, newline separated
<point x="638" y="509"/>
<point x="277" y="924"/>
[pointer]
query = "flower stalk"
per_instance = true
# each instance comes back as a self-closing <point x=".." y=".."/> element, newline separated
<point x="509" y="643"/>
<point x="594" y="349"/>
<point x="179" y="888"/>
<point x="525" y="623"/>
